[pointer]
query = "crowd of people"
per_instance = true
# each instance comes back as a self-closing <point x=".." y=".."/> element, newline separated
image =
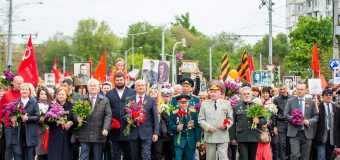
<point x="163" y="122"/>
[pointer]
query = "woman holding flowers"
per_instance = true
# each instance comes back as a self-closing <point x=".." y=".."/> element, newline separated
<point x="25" y="132"/>
<point x="44" y="99"/>
<point x="60" y="128"/>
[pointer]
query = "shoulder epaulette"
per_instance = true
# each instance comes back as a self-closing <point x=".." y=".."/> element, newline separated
<point x="175" y="111"/>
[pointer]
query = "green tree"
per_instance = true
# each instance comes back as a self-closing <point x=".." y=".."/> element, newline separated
<point x="184" y="20"/>
<point x="310" y="31"/>
<point x="91" y="39"/>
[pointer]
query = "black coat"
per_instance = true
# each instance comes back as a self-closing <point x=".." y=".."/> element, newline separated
<point x="117" y="106"/>
<point x="100" y="119"/>
<point x="31" y="127"/>
<point x="151" y="125"/>
<point x="336" y="112"/>
<point x="59" y="144"/>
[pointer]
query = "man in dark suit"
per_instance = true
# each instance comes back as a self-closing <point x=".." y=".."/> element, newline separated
<point x="119" y="143"/>
<point x="325" y="126"/>
<point x="141" y="137"/>
<point x="300" y="136"/>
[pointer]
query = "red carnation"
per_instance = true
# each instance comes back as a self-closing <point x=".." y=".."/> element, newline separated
<point x="226" y="122"/>
<point x="135" y="114"/>
<point x="203" y="147"/>
<point x="115" y="123"/>
<point x="181" y="113"/>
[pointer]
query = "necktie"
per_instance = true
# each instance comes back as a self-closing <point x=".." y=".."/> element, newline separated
<point x="92" y="101"/>
<point x="215" y="105"/>
<point x="140" y="100"/>
<point x="303" y="111"/>
<point x="329" y="116"/>
<point x="300" y="103"/>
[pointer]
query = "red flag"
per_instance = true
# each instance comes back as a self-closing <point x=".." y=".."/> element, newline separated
<point x="66" y="74"/>
<point x="250" y="63"/>
<point x="28" y="66"/>
<point x="315" y="62"/>
<point x="54" y="70"/>
<point x="100" y="73"/>
<point x="323" y="82"/>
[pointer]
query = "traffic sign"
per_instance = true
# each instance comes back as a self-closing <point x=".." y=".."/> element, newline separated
<point x="270" y="67"/>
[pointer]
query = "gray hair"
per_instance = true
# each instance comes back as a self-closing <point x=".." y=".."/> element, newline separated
<point x="244" y="89"/>
<point x="25" y="86"/>
<point x="93" y="81"/>
<point x="140" y="81"/>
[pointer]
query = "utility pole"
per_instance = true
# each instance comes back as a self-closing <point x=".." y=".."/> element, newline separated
<point x="335" y="24"/>
<point x="269" y="5"/>
<point x="270" y="32"/>
<point x="163" y="42"/>
<point x="9" y="46"/>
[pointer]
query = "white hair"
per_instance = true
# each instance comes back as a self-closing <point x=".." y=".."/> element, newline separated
<point x="93" y="81"/>
<point x="245" y="89"/>
<point x="140" y="81"/>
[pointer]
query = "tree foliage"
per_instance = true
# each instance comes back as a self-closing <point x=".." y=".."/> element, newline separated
<point x="310" y="31"/>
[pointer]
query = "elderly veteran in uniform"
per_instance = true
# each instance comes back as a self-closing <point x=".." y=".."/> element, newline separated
<point x="187" y="87"/>
<point x="187" y="132"/>
<point x="241" y="132"/>
<point x="215" y="118"/>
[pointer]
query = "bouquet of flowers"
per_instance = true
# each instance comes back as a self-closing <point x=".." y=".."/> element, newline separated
<point x="55" y="113"/>
<point x="202" y="149"/>
<point x="234" y="101"/>
<point x="180" y="120"/>
<point x="336" y="152"/>
<point x="231" y="88"/>
<point x="115" y="123"/>
<point x="257" y="111"/>
<point x="134" y="114"/>
<point x="14" y="109"/>
<point x="166" y="108"/>
<point x="272" y="108"/>
<point x="82" y="109"/>
<point x="297" y="117"/>
<point x="6" y="79"/>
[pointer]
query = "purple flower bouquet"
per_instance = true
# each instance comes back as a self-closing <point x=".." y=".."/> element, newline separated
<point x="55" y="113"/>
<point x="234" y="101"/>
<point x="14" y="109"/>
<point x="231" y="88"/>
<point x="297" y="117"/>
<point x="6" y="79"/>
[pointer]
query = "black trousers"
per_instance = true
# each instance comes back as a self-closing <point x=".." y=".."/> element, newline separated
<point x="162" y="148"/>
<point x="247" y="150"/>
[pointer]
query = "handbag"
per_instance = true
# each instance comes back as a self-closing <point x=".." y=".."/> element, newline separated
<point x="265" y="136"/>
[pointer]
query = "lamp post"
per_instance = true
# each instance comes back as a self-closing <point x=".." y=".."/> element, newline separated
<point x="126" y="60"/>
<point x="133" y="49"/>
<point x="183" y="42"/>
<point x="10" y="20"/>
<point x="74" y="60"/>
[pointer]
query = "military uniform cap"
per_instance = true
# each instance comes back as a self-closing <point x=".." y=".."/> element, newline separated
<point x="188" y="81"/>
<point x="216" y="85"/>
<point x="183" y="97"/>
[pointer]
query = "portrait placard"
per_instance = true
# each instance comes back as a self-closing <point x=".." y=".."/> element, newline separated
<point x="189" y="66"/>
<point x="82" y="72"/>
<point x="163" y="72"/>
<point x="49" y="79"/>
<point x="314" y="86"/>
<point x="261" y="78"/>
<point x="150" y="70"/>
<point x="336" y="75"/>
<point x="290" y="82"/>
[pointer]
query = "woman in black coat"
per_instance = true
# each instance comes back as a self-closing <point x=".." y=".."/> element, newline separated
<point x="25" y="135"/>
<point x="59" y="144"/>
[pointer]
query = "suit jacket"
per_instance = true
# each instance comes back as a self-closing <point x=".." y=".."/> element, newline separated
<point x="321" y="132"/>
<point x="99" y="120"/>
<point x="117" y="107"/>
<point x="31" y="126"/>
<point x="311" y="114"/>
<point x="336" y="112"/>
<point x="209" y="117"/>
<point x="151" y="125"/>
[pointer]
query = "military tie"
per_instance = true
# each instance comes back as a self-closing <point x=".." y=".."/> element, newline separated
<point x="215" y="105"/>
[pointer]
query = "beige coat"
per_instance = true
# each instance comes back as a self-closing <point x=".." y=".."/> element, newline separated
<point x="209" y="117"/>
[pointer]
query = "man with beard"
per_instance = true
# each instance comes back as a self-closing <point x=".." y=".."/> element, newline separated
<point x="118" y="142"/>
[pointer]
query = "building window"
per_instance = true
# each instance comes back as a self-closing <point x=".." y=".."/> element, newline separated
<point x="309" y="3"/>
<point x="315" y="3"/>
<point x="300" y="7"/>
<point x="309" y="14"/>
<point x="328" y="2"/>
<point x="328" y="14"/>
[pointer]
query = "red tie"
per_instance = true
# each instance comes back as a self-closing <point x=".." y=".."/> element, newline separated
<point x="140" y="100"/>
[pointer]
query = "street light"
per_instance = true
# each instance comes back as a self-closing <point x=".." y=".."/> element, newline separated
<point x="183" y="42"/>
<point x="10" y="16"/>
<point x="74" y="60"/>
<point x="133" y="57"/>
<point x="133" y="49"/>
<point x="169" y="55"/>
